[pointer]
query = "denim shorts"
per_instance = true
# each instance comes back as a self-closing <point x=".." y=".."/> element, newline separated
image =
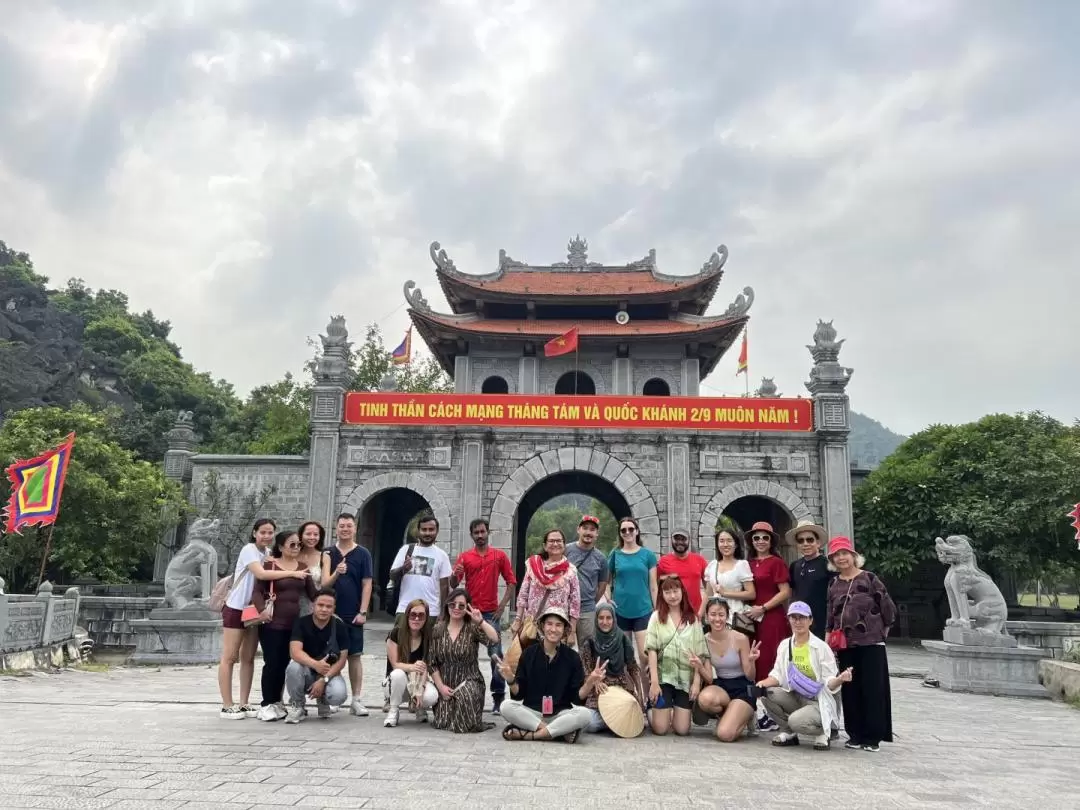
<point x="356" y="638"/>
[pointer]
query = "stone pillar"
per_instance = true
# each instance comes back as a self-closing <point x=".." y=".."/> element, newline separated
<point x="622" y="377"/>
<point x="530" y="376"/>
<point x="828" y="384"/>
<point x="690" y="384"/>
<point x="678" y="489"/>
<point x="327" y="410"/>
<point x="472" y="492"/>
<point x="462" y="374"/>
<point x="182" y="445"/>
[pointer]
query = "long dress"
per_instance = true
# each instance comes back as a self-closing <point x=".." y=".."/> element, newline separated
<point x="457" y="662"/>
<point x="769" y="573"/>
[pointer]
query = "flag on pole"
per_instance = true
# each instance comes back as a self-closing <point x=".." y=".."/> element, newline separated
<point x="1075" y="515"/>
<point x="742" y="357"/>
<point x="36" y="487"/>
<point x="563" y="344"/>
<point x="403" y="353"/>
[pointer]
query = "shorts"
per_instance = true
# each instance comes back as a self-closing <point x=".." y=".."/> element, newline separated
<point x="639" y="625"/>
<point x="356" y="637"/>
<point x="674" y="698"/>
<point x="231" y="618"/>
<point x="737" y="689"/>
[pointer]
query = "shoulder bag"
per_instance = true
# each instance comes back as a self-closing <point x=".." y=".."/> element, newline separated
<point x="251" y="616"/>
<point x="837" y="639"/>
<point x="739" y="620"/>
<point x="393" y="587"/>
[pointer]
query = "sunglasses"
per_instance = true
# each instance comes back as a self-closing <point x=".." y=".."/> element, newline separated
<point x="457" y="605"/>
<point x="627" y="530"/>
<point x="761" y="537"/>
<point x="417" y="615"/>
<point x="805" y="541"/>
<point x="293" y="544"/>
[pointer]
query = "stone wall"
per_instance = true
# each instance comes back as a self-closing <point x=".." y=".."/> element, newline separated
<point x="107" y="619"/>
<point x="1058" y="638"/>
<point x="35" y="622"/>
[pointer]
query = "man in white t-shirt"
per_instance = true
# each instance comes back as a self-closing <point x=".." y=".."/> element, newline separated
<point x="425" y="572"/>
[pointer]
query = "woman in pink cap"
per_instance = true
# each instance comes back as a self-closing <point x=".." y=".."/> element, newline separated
<point x="771" y="592"/>
<point x="860" y="614"/>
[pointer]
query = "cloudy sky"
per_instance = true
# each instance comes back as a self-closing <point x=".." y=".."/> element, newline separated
<point x="907" y="168"/>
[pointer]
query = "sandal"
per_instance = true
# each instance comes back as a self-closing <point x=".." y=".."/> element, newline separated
<point x="572" y="737"/>
<point x="515" y="734"/>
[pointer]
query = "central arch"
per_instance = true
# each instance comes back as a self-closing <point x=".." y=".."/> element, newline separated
<point x="594" y="470"/>
<point x="751" y="500"/>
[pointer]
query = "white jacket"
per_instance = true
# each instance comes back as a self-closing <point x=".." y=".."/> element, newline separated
<point x="823" y="661"/>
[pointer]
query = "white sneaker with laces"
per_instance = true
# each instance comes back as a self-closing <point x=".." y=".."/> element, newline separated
<point x="294" y="715"/>
<point x="391" y="718"/>
<point x="281" y="711"/>
<point x="267" y="714"/>
<point x="358" y="708"/>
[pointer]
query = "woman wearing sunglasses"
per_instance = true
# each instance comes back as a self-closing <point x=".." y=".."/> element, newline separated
<point x="632" y="571"/>
<point x="275" y="634"/>
<point x="455" y="666"/>
<point x="406" y="656"/>
<point x="771" y="592"/>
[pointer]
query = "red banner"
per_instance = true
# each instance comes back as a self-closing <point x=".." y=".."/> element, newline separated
<point x="519" y="410"/>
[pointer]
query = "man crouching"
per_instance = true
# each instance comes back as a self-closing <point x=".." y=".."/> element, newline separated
<point x="319" y="649"/>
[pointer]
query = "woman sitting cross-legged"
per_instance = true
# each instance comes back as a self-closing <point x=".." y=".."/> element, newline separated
<point x="549" y="678"/>
<point x="455" y="667"/>
<point x="801" y="690"/>
<point x="406" y="650"/>
<point x="673" y="635"/>
<point x="730" y="671"/>
<point x="615" y="650"/>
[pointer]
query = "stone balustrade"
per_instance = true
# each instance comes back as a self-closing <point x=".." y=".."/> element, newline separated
<point x="1057" y="638"/>
<point x="36" y="622"/>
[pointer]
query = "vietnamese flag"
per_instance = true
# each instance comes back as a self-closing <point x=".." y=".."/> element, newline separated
<point x="563" y="344"/>
<point x="742" y="357"/>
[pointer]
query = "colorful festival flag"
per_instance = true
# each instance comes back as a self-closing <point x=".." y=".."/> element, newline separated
<point x="563" y="344"/>
<point x="1075" y="515"/>
<point x="743" y="356"/>
<point x="403" y="353"/>
<point x="36" y="487"/>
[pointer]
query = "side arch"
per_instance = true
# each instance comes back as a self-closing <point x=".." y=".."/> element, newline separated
<point x="582" y="460"/>
<point x="417" y="482"/>
<point x="777" y="493"/>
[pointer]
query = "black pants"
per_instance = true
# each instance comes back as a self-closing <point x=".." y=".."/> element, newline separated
<point x="275" y="650"/>
<point x="867" y="700"/>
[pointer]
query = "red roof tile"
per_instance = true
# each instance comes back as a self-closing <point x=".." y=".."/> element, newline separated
<point x="580" y="282"/>
<point x="546" y="328"/>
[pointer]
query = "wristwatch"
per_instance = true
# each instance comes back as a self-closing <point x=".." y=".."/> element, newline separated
<point x="326" y="678"/>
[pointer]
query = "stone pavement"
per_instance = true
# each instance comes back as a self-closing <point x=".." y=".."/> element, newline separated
<point x="151" y="739"/>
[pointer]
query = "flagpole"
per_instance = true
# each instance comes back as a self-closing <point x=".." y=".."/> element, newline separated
<point x="577" y="343"/>
<point x="45" y="556"/>
<point x="746" y="371"/>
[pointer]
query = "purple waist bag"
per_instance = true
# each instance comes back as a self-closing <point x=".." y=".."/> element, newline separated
<point x="800" y="684"/>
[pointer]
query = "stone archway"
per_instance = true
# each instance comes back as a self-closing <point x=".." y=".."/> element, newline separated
<point x="570" y="460"/>
<point x="395" y="480"/>
<point x="749" y="487"/>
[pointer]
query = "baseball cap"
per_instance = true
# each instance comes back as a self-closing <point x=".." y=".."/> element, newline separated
<point x="800" y="609"/>
<point x="589" y="519"/>
<point x="681" y="533"/>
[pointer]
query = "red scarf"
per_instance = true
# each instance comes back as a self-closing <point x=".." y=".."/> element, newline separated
<point x="548" y="575"/>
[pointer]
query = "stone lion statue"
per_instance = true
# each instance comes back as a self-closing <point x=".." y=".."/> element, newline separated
<point x="184" y="582"/>
<point x="975" y="602"/>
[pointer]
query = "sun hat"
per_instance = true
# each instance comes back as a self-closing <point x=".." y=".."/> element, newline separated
<point x="557" y="612"/>
<point x="807" y="526"/>
<point x="621" y="712"/>
<point x="800" y="609"/>
<point x="589" y="519"/>
<point x="841" y="544"/>
<point x="763" y="526"/>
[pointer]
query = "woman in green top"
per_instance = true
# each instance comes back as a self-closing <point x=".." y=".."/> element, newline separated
<point x="632" y="571"/>
<point x="674" y="641"/>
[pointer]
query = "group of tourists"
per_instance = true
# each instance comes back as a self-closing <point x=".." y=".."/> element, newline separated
<point x="599" y="642"/>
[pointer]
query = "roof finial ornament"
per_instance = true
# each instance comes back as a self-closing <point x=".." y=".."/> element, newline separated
<point x="505" y="262"/>
<point x="577" y="251"/>
<point x="826" y="347"/>
<point x="441" y="259"/>
<point x="767" y="388"/>
<point x="716" y="262"/>
<point x="741" y="305"/>
<point x="414" y="297"/>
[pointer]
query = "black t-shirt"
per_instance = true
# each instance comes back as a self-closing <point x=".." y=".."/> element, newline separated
<point x="318" y="642"/>
<point x="406" y="656"/>
<point x="560" y="677"/>
<point x="810" y="583"/>
<point x="350" y="585"/>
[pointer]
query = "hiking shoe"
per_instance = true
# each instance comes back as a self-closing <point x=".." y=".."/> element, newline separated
<point x="359" y="709"/>
<point x="232" y="713"/>
<point x="785" y="738"/>
<point x="294" y="715"/>
<point x="391" y="718"/>
<point x="766" y="723"/>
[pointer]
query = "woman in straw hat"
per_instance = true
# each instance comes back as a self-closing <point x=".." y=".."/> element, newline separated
<point x="860" y="615"/>
<point x="611" y="645"/>
<point x="771" y="593"/>
<point x="810" y="574"/>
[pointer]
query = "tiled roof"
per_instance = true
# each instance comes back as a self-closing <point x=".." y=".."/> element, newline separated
<point x="582" y="282"/>
<point x="546" y="328"/>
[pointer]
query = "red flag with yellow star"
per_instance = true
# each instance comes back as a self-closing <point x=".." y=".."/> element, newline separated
<point x="36" y="487"/>
<point x="563" y="344"/>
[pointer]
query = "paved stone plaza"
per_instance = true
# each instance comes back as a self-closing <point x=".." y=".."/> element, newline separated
<point x="150" y="739"/>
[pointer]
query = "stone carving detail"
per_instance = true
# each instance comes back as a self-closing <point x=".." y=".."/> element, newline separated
<point x="741" y="305"/>
<point x="190" y="574"/>
<point x="826" y="347"/>
<point x="63" y="622"/>
<point x="325" y="406"/>
<point x="415" y="298"/>
<point x="647" y="262"/>
<point x="333" y="366"/>
<point x="441" y="259"/>
<point x="767" y="389"/>
<point x="832" y="412"/>
<point x="716" y="262"/>
<point x="506" y="263"/>
<point x="827" y="375"/>
<point x="721" y="462"/>
<point x="577" y="254"/>
<point x="182" y="434"/>
<point x="366" y="456"/>
<point x="975" y="602"/>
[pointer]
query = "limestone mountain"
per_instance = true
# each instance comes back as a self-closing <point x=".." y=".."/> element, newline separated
<point x="870" y="442"/>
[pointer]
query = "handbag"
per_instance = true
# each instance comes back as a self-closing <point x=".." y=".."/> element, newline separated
<point x="251" y="616"/>
<point x="529" y="631"/>
<point x="837" y="639"/>
<point x="739" y="620"/>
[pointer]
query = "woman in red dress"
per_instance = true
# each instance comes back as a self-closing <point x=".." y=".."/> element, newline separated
<point x="772" y="592"/>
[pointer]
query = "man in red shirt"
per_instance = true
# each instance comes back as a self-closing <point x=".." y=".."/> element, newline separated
<point x="689" y="565"/>
<point x="479" y="569"/>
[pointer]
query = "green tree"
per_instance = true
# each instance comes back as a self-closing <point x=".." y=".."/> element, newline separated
<point x="114" y="506"/>
<point x="17" y="266"/>
<point x="566" y="518"/>
<point x="1004" y="481"/>
<point x="114" y="336"/>
<point x="370" y="362"/>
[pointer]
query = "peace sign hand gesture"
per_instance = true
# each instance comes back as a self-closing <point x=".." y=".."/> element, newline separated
<point x="755" y="651"/>
<point x="476" y="615"/>
<point x="598" y="674"/>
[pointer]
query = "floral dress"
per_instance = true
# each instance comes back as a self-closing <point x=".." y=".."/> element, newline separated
<point x="457" y="662"/>
<point x="628" y="678"/>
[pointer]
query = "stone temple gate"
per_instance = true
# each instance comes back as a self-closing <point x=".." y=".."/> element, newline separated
<point x="668" y="456"/>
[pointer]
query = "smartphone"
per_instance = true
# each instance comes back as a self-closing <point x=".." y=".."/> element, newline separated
<point x="659" y="702"/>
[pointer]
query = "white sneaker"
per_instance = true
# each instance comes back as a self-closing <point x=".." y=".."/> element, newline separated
<point x="391" y="718"/>
<point x="294" y="715"/>
<point x="358" y="708"/>
<point x="232" y="713"/>
<point x="268" y="714"/>
<point x="249" y="710"/>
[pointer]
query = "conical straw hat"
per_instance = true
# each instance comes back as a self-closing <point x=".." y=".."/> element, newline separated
<point x="621" y="712"/>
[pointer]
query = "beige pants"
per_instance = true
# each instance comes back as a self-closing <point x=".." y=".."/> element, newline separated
<point x="586" y="627"/>
<point x="576" y="718"/>
<point x="792" y="712"/>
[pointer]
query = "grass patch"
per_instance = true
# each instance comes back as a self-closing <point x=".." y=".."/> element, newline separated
<point x="1067" y="601"/>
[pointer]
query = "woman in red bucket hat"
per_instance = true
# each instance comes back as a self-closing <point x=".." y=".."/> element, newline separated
<point x="772" y="592"/>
